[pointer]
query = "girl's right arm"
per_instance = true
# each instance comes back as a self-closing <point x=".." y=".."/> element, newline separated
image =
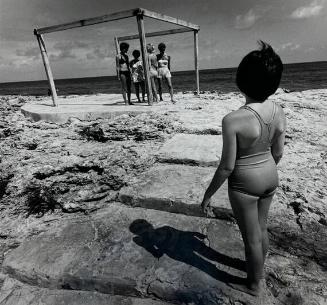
<point x="227" y="161"/>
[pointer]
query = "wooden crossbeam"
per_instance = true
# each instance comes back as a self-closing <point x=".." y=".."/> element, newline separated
<point x="152" y="34"/>
<point x="116" y="16"/>
<point x="89" y="21"/>
<point x="169" y="19"/>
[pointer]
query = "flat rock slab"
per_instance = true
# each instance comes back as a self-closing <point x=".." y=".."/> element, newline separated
<point x="199" y="122"/>
<point x="203" y="150"/>
<point x="16" y="293"/>
<point x="83" y="108"/>
<point x="135" y="252"/>
<point x="176" y="189"/>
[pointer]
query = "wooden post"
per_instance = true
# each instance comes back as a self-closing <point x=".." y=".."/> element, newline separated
<point x="47" y="69"/>
<point x="196" y="62"/>
<point x="140" y="24"/>
<point x="117" y="49"/>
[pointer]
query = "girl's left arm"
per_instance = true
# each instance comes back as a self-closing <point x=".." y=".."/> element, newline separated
<point x="227" y="161"/>
<point x="169" y="63"/>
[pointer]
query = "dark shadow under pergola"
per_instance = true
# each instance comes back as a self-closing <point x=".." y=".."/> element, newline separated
<point x="139" y="13"/>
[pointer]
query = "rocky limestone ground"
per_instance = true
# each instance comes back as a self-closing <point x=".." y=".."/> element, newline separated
<point x="83" y="205"/>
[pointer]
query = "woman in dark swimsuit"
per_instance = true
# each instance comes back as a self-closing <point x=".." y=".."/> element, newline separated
<point x="123" y="71"/>
<point x="253" y="142"/>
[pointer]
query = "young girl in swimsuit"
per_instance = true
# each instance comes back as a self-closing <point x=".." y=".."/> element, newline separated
<point x="164" y="71"/>
<point x="123" y="72"/>
<point x="138" y="75"/>
<point x="253" y="142"/>
<point x="153" y="64"/>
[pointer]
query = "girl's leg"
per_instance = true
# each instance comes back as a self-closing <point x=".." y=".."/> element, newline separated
<point x="170" y="87"/>
<point x="245" y="209"/>
<point x="160" y="88"/>
<point x="137" y="91"/>
<point x="142" y="84"/>
<point x="263" y="209"/>
<point x="123" y="87"/>
<point x="128" y="89"/>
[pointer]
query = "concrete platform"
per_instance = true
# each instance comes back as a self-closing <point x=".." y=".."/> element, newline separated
<point x="203" y="150"/>
<point x="176" y="189"/>
<point x="134" y="253"/>
<point x="86" y="108"/>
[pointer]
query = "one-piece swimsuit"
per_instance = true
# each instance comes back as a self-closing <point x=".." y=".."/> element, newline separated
<point x="255" y="171"/>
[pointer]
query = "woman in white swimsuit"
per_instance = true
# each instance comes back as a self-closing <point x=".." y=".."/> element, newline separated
<point x="153" y="64"/>
<point x="164" y="71"/>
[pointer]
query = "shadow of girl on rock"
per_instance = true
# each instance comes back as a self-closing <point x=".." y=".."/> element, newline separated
<point x="184" y="246"/>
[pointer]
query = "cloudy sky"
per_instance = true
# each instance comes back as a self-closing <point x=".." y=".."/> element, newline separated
<point x="229" y="29"/>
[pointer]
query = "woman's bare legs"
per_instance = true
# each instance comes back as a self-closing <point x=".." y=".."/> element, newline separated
<point x="142" y="85"/>
<point x="160" y="88"/>
<point x="170" y="87"/>
<point x="154" y="89"/>
<point x="245" y="209"/>
<point x="126" y="88"/>
<point x="137" y="91"/>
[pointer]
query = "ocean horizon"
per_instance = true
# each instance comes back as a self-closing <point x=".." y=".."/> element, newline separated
<point x="296" y="77"/>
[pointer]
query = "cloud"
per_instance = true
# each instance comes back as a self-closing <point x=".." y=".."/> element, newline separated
<point x="62" y="55"/>
<point x="312" y="10"/>
<point x="289" y="46"/>
<point x="247" y="20"/>
<point x="69" y="45"/>
<point x="67" y="49"/>
<point x="29" y="52"/>
<point x="100" y="53"/>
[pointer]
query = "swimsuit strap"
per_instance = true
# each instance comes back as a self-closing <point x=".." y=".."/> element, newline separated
<point x="263" y="123"/>
<point x="256" y="114"/>
<point x="259" y="116"/>
<point x="125" y="57"/>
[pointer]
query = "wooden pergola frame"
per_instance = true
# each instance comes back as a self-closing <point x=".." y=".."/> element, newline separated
<point x="139" y="13"/>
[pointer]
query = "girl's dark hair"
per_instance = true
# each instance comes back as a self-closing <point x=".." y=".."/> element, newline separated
<point x="161" y="45"/>
<point x="123" y="45"/>
<point x="136" y="53"/>
<point x="259" y="73"/>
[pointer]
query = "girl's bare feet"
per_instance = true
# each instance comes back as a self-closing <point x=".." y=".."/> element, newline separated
<point x="252" y="289"/>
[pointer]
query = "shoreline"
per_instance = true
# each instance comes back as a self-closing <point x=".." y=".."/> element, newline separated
<point x="279" y="91"/>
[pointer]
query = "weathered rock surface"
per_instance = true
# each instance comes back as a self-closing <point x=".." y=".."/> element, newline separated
<point x="203" y="150"/>
<point x="178" y="189"/>
<point x="203" y="115"/>
<point x="16" y="293"/>
<point x="81" y="167"/>
<point x="137" y="253"/>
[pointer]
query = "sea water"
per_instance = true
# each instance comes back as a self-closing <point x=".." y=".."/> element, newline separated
<point x="296" y="77"/>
